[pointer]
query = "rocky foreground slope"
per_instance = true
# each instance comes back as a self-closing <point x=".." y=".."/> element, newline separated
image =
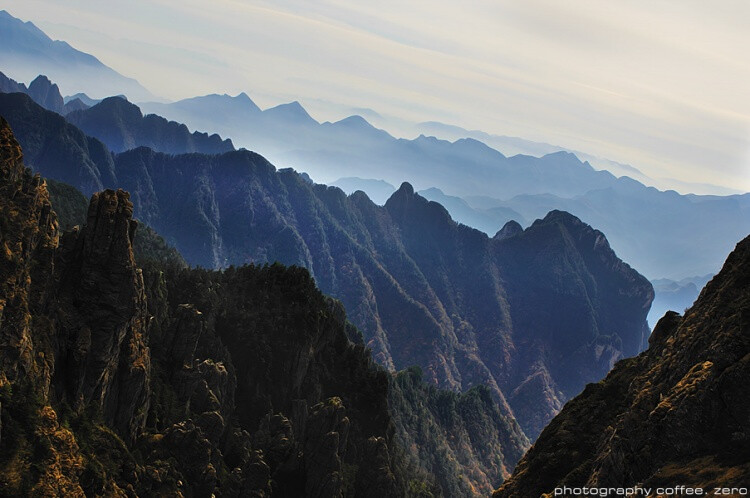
<point x="678" y="414"/>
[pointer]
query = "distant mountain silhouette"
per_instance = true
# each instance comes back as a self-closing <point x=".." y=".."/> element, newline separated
<point x="647" y="227"/>
<point x="352" y="147"/>
<point x="88" y="101"/>
<point x="377" y="190"/>
<point x="487" y="220"/>
<point x="43" y="92"/>
<point x="674" y="295"/>
<point x="27" y="52"/>
<point x="74" y="105"/>
<point x="121" y="126"/>
<point x="231" y="112"/>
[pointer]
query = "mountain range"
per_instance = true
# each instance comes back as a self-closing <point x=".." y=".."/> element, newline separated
<point x="289" y="137"/>
<point x="125" y="372"/>
<point x="516" y="145"/>
<point x="196" y="351"/>
<point x="646" y="226"/>
<point x="28" y="51"/>
<point x="423" y="289"/>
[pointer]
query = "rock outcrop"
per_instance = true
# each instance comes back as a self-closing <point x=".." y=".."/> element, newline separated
<point x="8" y="85"/>
<point x="102" y="356"/>
<point x="46" y="94"/>
<point x="28" y="238"/>
<point x="676" y="414"/>
<point x="73" y="325"/>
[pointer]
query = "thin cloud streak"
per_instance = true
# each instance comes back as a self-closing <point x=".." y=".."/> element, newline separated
<point x="655" y="84"/>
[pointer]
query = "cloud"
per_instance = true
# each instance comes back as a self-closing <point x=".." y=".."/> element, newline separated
<point x="652" y="83"/>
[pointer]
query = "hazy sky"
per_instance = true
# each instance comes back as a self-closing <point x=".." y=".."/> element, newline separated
<point x="661" y="85"/>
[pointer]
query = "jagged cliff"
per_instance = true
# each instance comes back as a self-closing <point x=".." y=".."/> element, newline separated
<point x="73" y="325"/>
<point x="677" y="414"/>
<point x="149" y="378"/>
<point x="424" y="290"/>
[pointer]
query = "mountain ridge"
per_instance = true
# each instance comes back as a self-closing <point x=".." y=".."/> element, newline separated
<point x="28" y="51"/>
<point x="450" y="283"/>
<point x="122" y="126"/>
<point x="124" y="374"/>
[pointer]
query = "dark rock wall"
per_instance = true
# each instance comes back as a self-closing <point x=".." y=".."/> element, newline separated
<point x="676" y="414"/>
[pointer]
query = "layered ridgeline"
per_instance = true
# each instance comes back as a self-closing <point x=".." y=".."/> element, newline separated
<point x="124" y="372"/>
<point x="678" y="414"/>
<point x="41" y="90"/>
<point x="117" y="122"/>
<point x="122" y="126"/>
<point x="646" y="226"/>
<point x="533" y="314"/>
<point x="28" y="51"/>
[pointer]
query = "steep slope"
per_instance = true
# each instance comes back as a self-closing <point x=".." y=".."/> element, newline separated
<point x="676" y="414"/>
<point x="462" y="439"/>
<point x="56" y="148"/>
<point x="422" y="289"/>
<point x="122" y="126"/>
<point x="163" y="380"/>
<point x="74" y="305"/>
<point x="46" y="94"/>
<point x="27" y="52"/>
<point x="89" y="350"/>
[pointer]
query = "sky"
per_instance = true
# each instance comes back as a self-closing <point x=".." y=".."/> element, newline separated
<point x="660" y="85"/>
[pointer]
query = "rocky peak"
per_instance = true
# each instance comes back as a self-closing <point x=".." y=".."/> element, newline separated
<point x="119" y="106"/>
<point x="409" y="208"/>
<point x="510" y="229"/>
<point x="102" y="314"/>
<point x="46" y="94"/>
<point x="405" y="190"/>
<point x="109" y="230"/>
<point x="7" y="85"/>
